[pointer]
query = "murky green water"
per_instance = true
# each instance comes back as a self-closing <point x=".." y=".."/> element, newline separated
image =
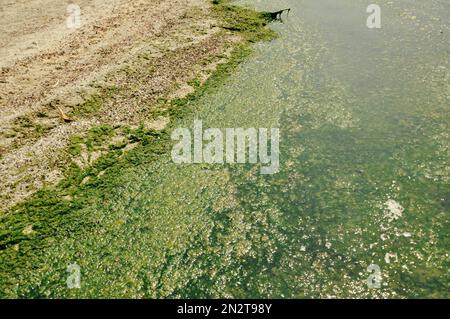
<point x="364" y="119"/>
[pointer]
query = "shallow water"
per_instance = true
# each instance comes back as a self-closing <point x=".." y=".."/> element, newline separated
<point x="364" y="119"/>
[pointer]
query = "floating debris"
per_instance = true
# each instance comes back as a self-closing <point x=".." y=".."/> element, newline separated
<point x="389" y="256"/>
<point x="393" y="210"/>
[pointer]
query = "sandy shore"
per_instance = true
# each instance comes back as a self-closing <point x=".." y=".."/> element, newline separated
<point x="143" y="51"/>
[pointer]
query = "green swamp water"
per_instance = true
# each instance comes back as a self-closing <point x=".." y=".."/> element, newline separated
<point x="364" y="119"/>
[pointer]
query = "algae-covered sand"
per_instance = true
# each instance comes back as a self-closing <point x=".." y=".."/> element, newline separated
<point x="364" y="155"/>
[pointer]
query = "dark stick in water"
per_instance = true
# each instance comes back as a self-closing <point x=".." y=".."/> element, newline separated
<point x="278" y="14"/>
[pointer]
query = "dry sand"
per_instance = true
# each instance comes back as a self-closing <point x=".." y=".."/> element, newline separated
<point x="45" y="66"/>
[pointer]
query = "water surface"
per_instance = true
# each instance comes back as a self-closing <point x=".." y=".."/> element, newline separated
<point x="364" y="119"/>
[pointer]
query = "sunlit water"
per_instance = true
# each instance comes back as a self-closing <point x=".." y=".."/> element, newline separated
<point x="364" y="119"/>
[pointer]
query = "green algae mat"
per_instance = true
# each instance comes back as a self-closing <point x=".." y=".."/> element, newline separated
<point x="362" y="190"/>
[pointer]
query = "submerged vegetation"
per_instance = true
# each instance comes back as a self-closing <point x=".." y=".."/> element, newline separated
<point x="34" y="224"/>
<point x="363" y="179"/>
